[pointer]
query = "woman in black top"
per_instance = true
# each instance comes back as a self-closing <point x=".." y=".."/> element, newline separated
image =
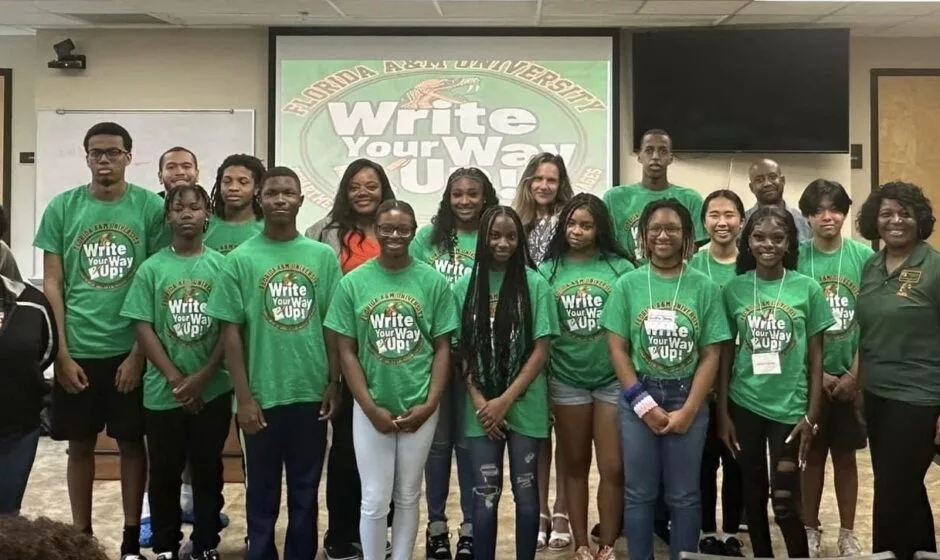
<point x="28" y="344"/>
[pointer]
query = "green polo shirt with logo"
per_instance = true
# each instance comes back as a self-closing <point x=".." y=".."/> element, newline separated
<point x="899" y="317"/>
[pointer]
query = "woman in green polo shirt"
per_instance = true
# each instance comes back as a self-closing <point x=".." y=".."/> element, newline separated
<point x="393" y="317"/>
<point x="899" y="364"/>
<point x="507" y="319"/>
<point x="582" y="263"/>
<point x="771" y="396"/>
<point x="665" y="323"/>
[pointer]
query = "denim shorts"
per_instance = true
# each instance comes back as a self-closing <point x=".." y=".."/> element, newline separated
<point x="569" y="395"/>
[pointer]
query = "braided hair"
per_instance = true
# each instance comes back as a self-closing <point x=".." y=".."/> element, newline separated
<point x="444" y="223"/>
<point x="176" y="192"/>
<point x="254" y="166"/>
<point x="685" y="219"/>
<point x="604" y="239"/>
<point x="496" y="354"/>
<point x="746" y="260"/>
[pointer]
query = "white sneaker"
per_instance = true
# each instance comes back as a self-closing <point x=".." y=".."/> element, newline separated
<point x="848" y="543"/>
<point x="813" y="537"/>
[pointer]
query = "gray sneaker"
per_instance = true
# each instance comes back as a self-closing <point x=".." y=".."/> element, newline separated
<point x="814" y="538"/>
<point x="848" y="543"/>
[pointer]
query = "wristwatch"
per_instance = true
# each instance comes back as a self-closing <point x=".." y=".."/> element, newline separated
<point x="814" y="427"/>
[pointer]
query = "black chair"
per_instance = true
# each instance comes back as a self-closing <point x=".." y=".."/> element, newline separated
<point x="879" y="556"/>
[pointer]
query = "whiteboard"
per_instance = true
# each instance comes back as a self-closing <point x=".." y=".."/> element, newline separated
<point x="212" y="135"/>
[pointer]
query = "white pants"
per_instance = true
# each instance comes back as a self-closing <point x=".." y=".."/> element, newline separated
<point x="391" y="467"/>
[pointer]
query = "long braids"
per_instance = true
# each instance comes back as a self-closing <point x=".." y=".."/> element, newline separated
<point x="495" y="355"/>
<point x="254" y="166"/>
<point x="444" y="223"/>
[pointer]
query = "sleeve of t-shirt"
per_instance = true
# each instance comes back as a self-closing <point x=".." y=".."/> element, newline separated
<point x="544" y="313"/>
<point x="820" y="315"/>
<point x="226" y="301"/>
<point x="330" y="275"/>
<point x="341" y="317"/>
<point x="138" y="303"/>
<point x="158" y="232"/>
<point x="714" y="318"/>
<point x="445" y="319"/>
<point x="623" y="266"/>
<point x="49" y="235"/>
<point x="418" y="247"/>
<point x="614" y="317"/>
<point x="729" y="309"/>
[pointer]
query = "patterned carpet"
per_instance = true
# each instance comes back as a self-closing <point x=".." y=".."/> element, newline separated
<point x="47" y="495"/>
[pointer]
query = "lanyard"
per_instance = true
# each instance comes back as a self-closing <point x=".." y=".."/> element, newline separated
<point x="779" y="290"/>
<point x="812" y="261"/>
<point x="649" y="285"/>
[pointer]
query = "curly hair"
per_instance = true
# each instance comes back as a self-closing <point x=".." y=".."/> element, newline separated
<point x="604" y="239"/>
<point x="257" y="170"/>
<point x="746" y="260"/>
<point x="444" y="223"/>
<point x="909" y="196"/>
<point x="45" y="539"/>
<point x="685" y="218"/>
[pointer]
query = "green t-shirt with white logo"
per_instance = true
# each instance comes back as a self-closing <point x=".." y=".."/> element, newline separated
<point x="667" y="350"/>
<point x="101" y="245"/>
<point x="454" y="264"/>
<point x="626" y="204"/>
<point x="839" y="273"/>
<point x="766" y="324"/>
<point x="394" y="315"/>
<point x="717" y="272"/>
<point x="581" y="288"/>
<point x="529" y="414"/>
<point x="225" y="236"/>
<point x="171" y="292"/>
<point x="279" y="291"/>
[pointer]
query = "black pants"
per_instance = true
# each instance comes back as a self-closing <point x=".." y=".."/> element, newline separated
<point x="343" y="487"/>
<point x="173" y="436"/>
<point x="901" y="439"/>
<point x="755" y="435"/>
<point x="715" y="454"/>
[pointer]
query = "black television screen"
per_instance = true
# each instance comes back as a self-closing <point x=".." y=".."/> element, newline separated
<point x="767" y="90"/>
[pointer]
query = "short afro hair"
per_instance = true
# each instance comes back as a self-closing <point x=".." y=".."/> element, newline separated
<point x="907" y="195"/>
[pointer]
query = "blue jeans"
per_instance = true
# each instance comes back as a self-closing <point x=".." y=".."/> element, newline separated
<point x="293" y="441"/>
<point x="17" y="453"/>
<point x="488" y="485"/>
<point x="672" y="460"/>
<point x="448" y="440"/>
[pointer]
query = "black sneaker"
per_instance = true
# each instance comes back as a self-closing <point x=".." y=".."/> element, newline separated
<point x="464" y="548"/>
<point x="388" y="550"/>
<point x="733" y="547"/>
<point x="437" y="546"/>
<point x="711" y="545"/>
<point x="346" y="551"/>
<point x="208" y="555"/>
<point x="596" y="534"/>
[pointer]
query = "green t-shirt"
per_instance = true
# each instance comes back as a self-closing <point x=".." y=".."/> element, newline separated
<point x="839" y="274"/>
<point x="800" y="313"/>
<point x="279" y="291"/>
<point x="579" y="356"/>
<point x="529" y="414"/>
<point x="171" y="292"/>
<point x="452" y="265"/>
<point x="659" y="350"/>
<point x="626" y="204"/>
<point x="394" y="315"/>
<point x="225" y="236"/>
<point x="717" y="272"/>
<point x="101" y="245"/>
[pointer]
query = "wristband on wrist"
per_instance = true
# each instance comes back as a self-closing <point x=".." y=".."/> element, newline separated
<point x="643" y="404"/>
<point x="629" y="393"/>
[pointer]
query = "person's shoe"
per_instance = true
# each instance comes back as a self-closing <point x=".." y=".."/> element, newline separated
<point x="583" y="553"/>
<point x="605" y="553"/>
<point x="596" y="533"/>
<point x="711" y="545"/>
<point x="135" y="556"/>
<point x="848" y="543"/>
<point x="732" y="547"/>
<point x="813" y="537"/>
<point x="388" y="550"/>
<point x="146" y="533"/>
<point x="346" y="551"/>
<point x="186" y="551"/>
<point x="166" y="556"/>
<point x="437" y="542"/>
<point x="208" y="555"/>
<point x="465" y="543"/>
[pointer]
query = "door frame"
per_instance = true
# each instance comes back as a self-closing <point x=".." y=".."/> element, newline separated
<point x="6" y="174"/>
<point x="873" y="105"/>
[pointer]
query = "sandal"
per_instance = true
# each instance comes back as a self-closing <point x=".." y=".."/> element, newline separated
<point x="559" y="540"/>
<point x="542" y="540"/>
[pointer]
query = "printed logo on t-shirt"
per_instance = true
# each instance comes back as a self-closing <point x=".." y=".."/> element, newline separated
<point x="669" y="348"/>
<point x="633" y="226"/>
<point x="769" y="329"/>
<point x="582" y="302"/>
<point x="288" y="296"/>
<point x="186" y="302"/>
<point x="840" y="294"/>
<point x="393" y="319"/>
<point x="452" y="266"/>
<point x="107" y="254"/>
<point x="226" y="248"/>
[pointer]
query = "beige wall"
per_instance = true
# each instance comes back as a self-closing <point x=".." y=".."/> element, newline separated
<point x="205" y="69"/>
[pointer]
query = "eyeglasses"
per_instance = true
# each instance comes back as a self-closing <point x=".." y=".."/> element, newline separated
<point x="113" y="154"/>
<point x="671" y="231"/>
<point x="388" y="231"/>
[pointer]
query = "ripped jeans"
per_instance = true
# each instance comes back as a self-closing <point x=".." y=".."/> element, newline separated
<point x="488" y="485"/>
<point x="755" y="434"/>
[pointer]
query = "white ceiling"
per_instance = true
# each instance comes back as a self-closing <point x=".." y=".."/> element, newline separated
<point x="878" y="18"/>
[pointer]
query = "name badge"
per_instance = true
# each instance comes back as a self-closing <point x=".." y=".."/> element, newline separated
<point x="661" y="320"/>
<point x="766" y="363"/>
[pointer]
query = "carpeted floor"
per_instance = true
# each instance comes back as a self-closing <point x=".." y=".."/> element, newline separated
<point x="47" y="495"/>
